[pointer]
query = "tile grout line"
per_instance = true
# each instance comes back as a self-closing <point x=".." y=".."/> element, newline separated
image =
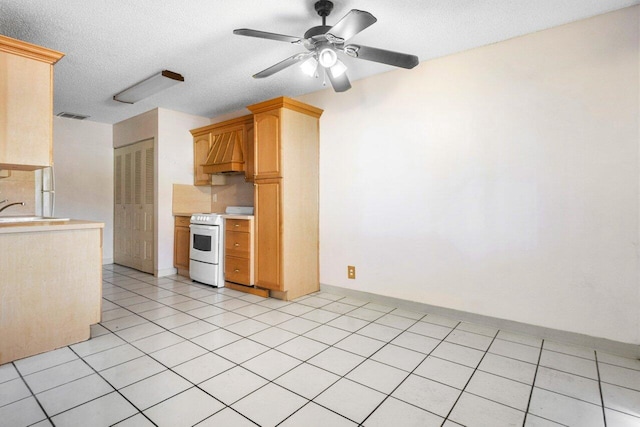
<point x="114" y="388"/>
<point x="344" y="376"/>
<point x="533" y="384"/>
<point x="240" y="364"/>
<point x="415" y="321"/>
<point x="185" y="292"/>
<point x="412" y="373"/>
<point x="342" y="314"/>
<point x="604" y="414"/>
<point x="328" y="347"/>
<point x="471" y="376"/>
<point x="167" y="367"/>
<point x="32" y="394"/>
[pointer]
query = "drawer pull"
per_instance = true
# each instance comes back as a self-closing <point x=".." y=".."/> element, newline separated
<point x="236" y="225"/>
<point x="237" y="270"/>
<point x="236" y="244"/>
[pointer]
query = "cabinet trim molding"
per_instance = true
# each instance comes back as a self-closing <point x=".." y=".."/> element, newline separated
<point x="284" y="102"/>
<point x="28" y="50"/>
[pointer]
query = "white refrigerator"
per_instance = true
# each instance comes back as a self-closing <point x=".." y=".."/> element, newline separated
<point x="45" y="191"/>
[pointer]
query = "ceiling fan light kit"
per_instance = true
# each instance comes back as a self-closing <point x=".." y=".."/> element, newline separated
<point x="323" y="43"/>
<point x="327" y="57"/>
<point x="310" y="66"/>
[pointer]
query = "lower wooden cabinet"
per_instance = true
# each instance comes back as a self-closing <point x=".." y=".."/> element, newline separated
<point x="238" y="251"/>
<point x="181" y="242"/>
<point x="268" y="245"/>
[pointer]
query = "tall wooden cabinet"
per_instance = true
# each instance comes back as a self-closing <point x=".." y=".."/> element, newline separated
<point x="286" y="161"/>
<point x="134" y="206"/>
<point x="26" y="104"/>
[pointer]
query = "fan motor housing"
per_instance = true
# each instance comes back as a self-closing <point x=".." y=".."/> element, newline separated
<point x="324" y="7"/>
<point x="316" y="31"/>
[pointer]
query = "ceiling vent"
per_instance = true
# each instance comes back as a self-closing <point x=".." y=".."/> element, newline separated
<point x="72" y="116"/>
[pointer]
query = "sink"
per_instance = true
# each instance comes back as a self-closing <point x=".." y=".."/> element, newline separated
<point x="28" y="218"/>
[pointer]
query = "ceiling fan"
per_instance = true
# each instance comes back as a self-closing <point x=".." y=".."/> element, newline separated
<point x="324" y="41"/>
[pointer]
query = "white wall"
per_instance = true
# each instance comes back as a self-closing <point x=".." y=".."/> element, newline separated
<point x="83" y="159"/>
<point x="175" y="166"/>
<point x="502" y="181"/>
<point x="173" y="162"/>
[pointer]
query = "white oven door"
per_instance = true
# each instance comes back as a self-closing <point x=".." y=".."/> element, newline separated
<point x="204" y="246"/>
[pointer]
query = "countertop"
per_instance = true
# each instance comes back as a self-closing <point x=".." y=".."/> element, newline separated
<point x="36" y="226"/>
<point x="235" y="216"/>
<point x="224" y="215"/>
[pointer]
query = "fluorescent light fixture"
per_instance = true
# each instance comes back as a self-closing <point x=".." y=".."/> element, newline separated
<point x="338" y="69"/>
<point x="148" y="87"/>
<point x="327" y="57"/>
<point x="309" y="66"/>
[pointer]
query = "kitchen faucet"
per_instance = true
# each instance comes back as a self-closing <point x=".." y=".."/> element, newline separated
<point x="10" y="204"/>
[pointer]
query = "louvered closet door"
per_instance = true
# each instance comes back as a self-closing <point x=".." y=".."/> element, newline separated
<point x="119" y="256"/>
<point x="145" y="235"/>
<point x="134" y="206"/>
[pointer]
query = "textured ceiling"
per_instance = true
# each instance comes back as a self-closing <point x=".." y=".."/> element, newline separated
<point x="112" y="44"/>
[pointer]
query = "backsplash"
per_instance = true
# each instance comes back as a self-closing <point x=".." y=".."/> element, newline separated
<point x="19" y="187"/>
<point x="237" y="192"/>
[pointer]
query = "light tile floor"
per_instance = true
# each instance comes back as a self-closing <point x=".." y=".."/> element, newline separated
<point x="173" y="353"/>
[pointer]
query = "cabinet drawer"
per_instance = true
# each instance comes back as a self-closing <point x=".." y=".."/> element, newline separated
<point x="182" y="221"/>
<point x="238" y="225"/>
<point x="237" y="244"/>
<point x="237" y="270"/>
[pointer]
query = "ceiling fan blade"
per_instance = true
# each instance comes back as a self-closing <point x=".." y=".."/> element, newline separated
<point x="266" y="35"/>
<point x="341" y="83"/>
<point x="350" y="25"/>
<point x="281" y="65"/>
<point x="380" y="55"/>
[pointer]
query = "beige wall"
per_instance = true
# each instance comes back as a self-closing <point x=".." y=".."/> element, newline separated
<point x="83" y="159"/>
<point x="502" y="181"/>
<point x="173" y="162"/>
<point x="175" y="166"/>
<point x="19" y="186"/>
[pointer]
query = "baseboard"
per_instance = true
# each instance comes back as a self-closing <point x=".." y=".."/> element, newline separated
<point x="166" y="272"/>
<point x="602" y="344"/>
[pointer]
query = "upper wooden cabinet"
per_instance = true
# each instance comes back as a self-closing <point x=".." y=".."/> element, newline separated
<point x="286" y="197"/>
<point x="26" y="104"/>
<point x="267" y="156"/>
<point x="222" y="148"/>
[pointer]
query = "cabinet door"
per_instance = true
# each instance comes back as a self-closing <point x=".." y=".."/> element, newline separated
<point x="181" y="248"/>
<point x="26" y="114"/>
<point x="249" y="160"/>
<point x="201" y="145"/>
<point x="267" y="145"/>
<point x="268" y="234"/>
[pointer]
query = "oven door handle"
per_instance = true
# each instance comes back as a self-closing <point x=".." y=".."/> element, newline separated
<point x="202" y="227"/>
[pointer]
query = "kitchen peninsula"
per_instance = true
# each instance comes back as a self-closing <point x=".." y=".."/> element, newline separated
<point x="50" y="285"/>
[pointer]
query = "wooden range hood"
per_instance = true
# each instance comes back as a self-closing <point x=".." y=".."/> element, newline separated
<point x="226" y="154"/>
<point x="221" y="148"/>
